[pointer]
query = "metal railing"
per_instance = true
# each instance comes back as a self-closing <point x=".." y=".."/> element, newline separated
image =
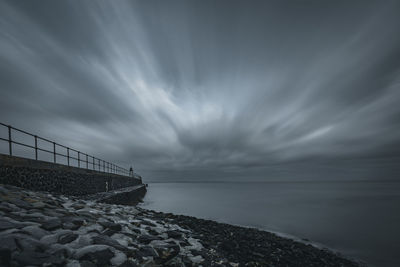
<point x="84" y="160"/>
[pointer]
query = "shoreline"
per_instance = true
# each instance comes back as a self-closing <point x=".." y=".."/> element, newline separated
<point x="260" y="259"/>
<point x="41" y="229"/>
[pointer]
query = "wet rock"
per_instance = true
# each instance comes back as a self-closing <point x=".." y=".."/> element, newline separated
<point x="106" y="240"/>
<point x="67" y="238"/>
<point x="30" y="244"/>
<point x="145" y="239"/>
<point x="51" y="224"/>
<point x="70" y="226"/>
<point x="166" y="252"/>
<point x="37" y="258"/>
<point x="35" y="231"/>
<point x="174" y="234"/>
<point x="5" y="256"/>
<point x="87" y="264"/>
<point x="128" y="263"/>
<point x="147" y="251"/>
<point x="109" y="232"/>
<point x="4" y="225"/>
<point x="118" y="259"/>
<point x="98" y="254"/>
<point x="110" y="225"/>
<point x="145" y="222"/>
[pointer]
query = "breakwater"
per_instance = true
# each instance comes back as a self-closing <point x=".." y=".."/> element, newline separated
<point x="57" y="178"/>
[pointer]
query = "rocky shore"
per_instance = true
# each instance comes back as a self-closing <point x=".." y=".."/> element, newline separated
<point x="40" y="229"/>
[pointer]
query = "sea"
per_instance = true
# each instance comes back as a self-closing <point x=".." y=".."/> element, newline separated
<point x="359" y="220"/>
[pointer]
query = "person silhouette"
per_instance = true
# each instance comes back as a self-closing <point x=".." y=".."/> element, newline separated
<point x="131" y="172"/>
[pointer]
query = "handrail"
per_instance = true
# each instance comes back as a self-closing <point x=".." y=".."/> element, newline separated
<point x="95" y="163"/>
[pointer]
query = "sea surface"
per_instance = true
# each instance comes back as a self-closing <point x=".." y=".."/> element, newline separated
<point x="358" y="219"/>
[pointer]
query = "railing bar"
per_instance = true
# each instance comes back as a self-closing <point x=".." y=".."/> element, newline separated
<point x="21" y="144"/>
<point x="18" y="130"/>
<point x="9" y="140"/>
<point x="36" y="151"/>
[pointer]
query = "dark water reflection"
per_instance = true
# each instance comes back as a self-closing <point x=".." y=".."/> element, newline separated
<point x="359" y="219"/>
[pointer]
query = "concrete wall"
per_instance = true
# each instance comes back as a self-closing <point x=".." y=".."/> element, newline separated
<point x="57" y="178"/>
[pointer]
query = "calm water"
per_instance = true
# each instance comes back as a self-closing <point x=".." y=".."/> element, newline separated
<point x="358" y="219"/>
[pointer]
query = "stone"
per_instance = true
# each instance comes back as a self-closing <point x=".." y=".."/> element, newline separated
<point x="37" y="258"/>
<point x="166" y="252"/>
<point x="67" y="238"/>
<point x="174" y="234"/>
<point x="145" y="222"/>
<point x="87" y="264"/>
<point x="108" y="232"/>
<point x="35" y="231"/>
<point x="98" y="254"/>
<point x="51" y="224"/>
<point x="110" y="225"/>
<point x="147" y="251"/>
<point x="128" y="263"/>
<point x="5" y="256"/>
<point x="8" y="242"/>
<point x="21" y="203"/>
<point x="118" y="259"/>
<point x="4" y="225"/>
<point x="38" y="205"/>
<point x="30" y="244"/>
<point x="106" y="240"/>
<point x="70" y="226"/>
<point x="145" y="239"/>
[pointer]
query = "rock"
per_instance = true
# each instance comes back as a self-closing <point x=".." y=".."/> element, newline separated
<point x="30" y="244"/>
<point x="38" y="205"/>
<point x="59" y="249"/>
<point x="8" y="242"/>
<point x="4" y="225"/>
<point x="109" y="232"/>
<point x="67" y="238"/>
<point x="197" y="259"/>
<point x="87" y="264"/>
<point x="98" y="254"/>
<point x="21" y="203"/>
<point x="35" y="231"/>
<point x="147" y="251"/>
<point x="70" y="226"/>
<point x="5" y="256"/>
<point x="145" y="239"/>
<point x="118" y="259"/>
<point x="128" y="263"/>
<point x="145" y="222"/>
<point x="110" y="225"/>
<point x="37" y="258"/>
<point x="174" y="234"/>
<point x="166" y="252"/>
<point x="106" y="240"/>
<point x="51" y="224"/>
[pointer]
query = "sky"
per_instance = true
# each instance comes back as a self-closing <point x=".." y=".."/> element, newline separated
<point x="189" y="90"/>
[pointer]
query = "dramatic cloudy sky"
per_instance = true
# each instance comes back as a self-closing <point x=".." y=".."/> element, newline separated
<point x="202" y="89"/>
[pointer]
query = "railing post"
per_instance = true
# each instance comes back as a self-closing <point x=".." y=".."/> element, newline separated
<point x="54" y="151"/>
<point x="36" y="152"/>
<point x="99" y="164"/>
<point x="68" y="156"/>
<point x="9" y="140"/>
<point x="104" y="166"/>
<point x="79" y="160"/>
<point x="87" y="162"/>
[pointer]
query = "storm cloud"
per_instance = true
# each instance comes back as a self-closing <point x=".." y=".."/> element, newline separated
<point x="180" y="88"/>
